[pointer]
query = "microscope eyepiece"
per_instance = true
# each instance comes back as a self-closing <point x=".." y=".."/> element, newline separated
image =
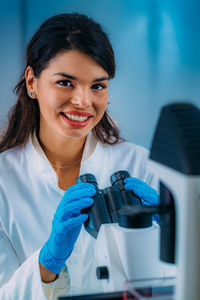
<point x="119" y="176"/>
<point x="117" y="181"/>
<point x="90" y="178"/>
<point x="107" y="201"/>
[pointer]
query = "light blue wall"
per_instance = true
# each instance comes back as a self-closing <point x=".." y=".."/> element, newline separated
<point x="10" y="52"/>
<point x="157" y="46"/>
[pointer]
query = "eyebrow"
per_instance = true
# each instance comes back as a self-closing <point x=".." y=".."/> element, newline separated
<point x="75" y="78"/>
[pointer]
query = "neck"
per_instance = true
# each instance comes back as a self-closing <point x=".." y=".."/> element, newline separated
<point x="62" y="152"/>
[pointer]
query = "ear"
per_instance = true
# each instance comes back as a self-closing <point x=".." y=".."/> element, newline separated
<point x="31" y="82"/>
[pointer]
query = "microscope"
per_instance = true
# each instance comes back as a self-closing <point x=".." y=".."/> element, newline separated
<point x="127" y="241"/>
<point x="129" y="246"/>
<point x="175" y="159"/>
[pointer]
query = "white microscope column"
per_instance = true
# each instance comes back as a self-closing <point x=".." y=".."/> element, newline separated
<point x="186" y="192"/>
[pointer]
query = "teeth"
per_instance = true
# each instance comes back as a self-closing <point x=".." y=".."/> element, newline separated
<point x="76" y="118"/>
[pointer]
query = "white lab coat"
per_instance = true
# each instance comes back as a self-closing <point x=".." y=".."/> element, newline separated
<point x="29" y="196"/>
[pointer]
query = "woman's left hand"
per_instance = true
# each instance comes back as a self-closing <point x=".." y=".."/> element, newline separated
<point x="142" y="190"/>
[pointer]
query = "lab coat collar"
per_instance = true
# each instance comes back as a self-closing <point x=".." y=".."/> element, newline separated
<point x="40" y="163"/>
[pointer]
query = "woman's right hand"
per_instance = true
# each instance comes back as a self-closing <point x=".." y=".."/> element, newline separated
<point x="66" y="226"/>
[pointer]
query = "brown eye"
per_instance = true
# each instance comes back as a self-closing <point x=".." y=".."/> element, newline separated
<point x="64" y="83"/>
<point x="98" y="86"/>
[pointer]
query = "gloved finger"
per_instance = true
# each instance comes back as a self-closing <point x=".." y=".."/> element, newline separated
<point x="135" y="187"/>
<point x="151" y="200"/>
<point x="78" y="193"/>
<point x="149" y="195"/>
<point x="66" y="201"/>
<point x="79" y="186"/>
<point x="135" y="181"/>
<point x="78" y="204"/>
<point x="76" y="221"/>
<point x="136" y="190"/>
<point x="135" y="184"/>
<point x="63" y="228"/>
<point x="142" y="190"/>
<point x="73" y="209"/>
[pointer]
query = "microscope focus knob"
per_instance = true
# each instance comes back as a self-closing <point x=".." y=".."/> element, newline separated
<point x="102" y="272"/>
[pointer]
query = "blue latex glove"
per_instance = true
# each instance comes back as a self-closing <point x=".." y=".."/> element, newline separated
<point x="143" y="191"/>
<point x="66" y="226"/>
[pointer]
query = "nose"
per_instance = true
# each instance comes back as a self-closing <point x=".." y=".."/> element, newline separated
<point x="81" y="97"/>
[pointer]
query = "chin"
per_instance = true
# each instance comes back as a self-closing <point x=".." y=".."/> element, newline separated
<point x="75" y="135"/>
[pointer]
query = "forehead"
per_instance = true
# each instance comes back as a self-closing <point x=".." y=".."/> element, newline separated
<point x="75" y="63"/>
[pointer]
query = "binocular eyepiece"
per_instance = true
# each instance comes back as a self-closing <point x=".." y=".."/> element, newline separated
<point x="108" y="201"/>
<point x="89" y="178"/>
<point x="115" y="179"/>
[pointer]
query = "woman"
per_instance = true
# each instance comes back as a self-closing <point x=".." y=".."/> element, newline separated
<point x="59" y="129"/>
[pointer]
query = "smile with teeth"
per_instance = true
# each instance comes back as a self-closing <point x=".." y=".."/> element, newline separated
<point x="76" y="118"/>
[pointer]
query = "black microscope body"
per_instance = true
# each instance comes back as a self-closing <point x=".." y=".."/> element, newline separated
<point x="108" y="201"/>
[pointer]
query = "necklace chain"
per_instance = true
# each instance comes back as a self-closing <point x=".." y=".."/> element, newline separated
<point x="67" y="166"/>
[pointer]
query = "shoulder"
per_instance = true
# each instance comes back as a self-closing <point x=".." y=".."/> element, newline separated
<point x="11" y="166"/>
<point x="9" y="157"/>
<point x="17" y="155"/>
<point x="133" y="158"/>
<point x="13" y="162"/>
<point x="108" y="159"/>
<point x="125" y="149"/>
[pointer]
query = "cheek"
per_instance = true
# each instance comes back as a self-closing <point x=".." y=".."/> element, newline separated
<point x="49" y="100"/>
<point x="48" y="96"/>
<point x="101" y="104"/>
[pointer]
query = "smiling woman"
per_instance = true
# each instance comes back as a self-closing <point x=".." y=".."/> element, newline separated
<point x="72" y="94"/>
<point x="59" y="129"/>
<point x="40" y="52"/>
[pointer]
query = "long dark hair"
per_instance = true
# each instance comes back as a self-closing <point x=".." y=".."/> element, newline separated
<point x="58" y="33"/>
